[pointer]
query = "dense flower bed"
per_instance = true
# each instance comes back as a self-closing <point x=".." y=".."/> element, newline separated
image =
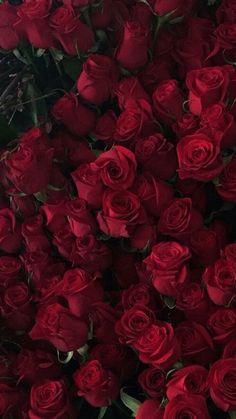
<point x="117" y="209"/>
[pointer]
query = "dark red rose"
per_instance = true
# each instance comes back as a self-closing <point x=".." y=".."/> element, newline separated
<point x="16" y="307"/>
<point x="117" y="167"/>
<point x="101" y="17"/>
<point x="207" y="86"/>
<point x="120" y="214"/>
<point x="80" y="289"/>
<point x="76" y="117"/>
<point x="156" y="148"/>
<point x="222" y="324"/>
<point x="188" y="125"/>
<point x="150" y="409"/>
<point x="205" y="246"/>
<point x="114" y="357"/>
<point x="180" y="220"/>
<point x="157" y="345"/>
<point x="230" y="349"/>
<point x="134" y="122"/>
<point x="64" y="241"/>
<point x="133" y="323"/>
<point x="130" y="88"/>
<point x="10" y="268"/>
<point x="36" y="263"/>
<point x="124" y="268"/>
<point x="106" y="126"/>
<point x="56" y="215"/>
<point x="178" y="7"/>
<point x="193" y="189"/>
<point x="91" y="254"/>
<point x="97" y="79"/>
<point x="132" y="52"/>
<point x="10" y="236"/>
<point x="156" y="71"/>
<point x="33" y="22"/>
<point x="167" y="265"/>
<point x="186" y="406"/>
<point x="221" y="123"/>
<point x="153" y="382"/>
<point x="199" y="158"/>
<point x="89" y="185"/>
<point x="73" y="35"/>
<point x="220" y="281"/>
<point x="154" y="194"/>
<point x="227" y="181"/>
<point x="34" y="235"/>
<point x="96" y="384"/>
<point x="49" y="399"/>
<point x="194" y="302"/>
<point x="59" y="326"/>
<point x="23" y="205"/>
<point x="230" y="252"/>
<point x="31" y="366"/>
<point x="143" y="237"/>
<point x="103" y="318"/>
<point x="77" y="3"/>
<point x="142" y="13"/>
<point x="222" y="231"/>
<point x="196" y="343"/>
<point x="168" y="102"/>
<point x="225" y="37"/>
<point x="10" y="399"/>
<point x="226" y="12"/>
<point x="80" y="219"/>
<point x="222" y="379"/>
<point x="188" y="381"/>
<point x="140" y="294"/>
<point x="9" y="36"/>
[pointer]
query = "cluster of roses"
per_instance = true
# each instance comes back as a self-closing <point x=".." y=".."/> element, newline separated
<point x="112" y="272"/>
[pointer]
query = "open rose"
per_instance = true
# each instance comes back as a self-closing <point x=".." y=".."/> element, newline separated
<point x="219" y="279"/>
<point x="222" y="324"/>
<point x="193" y="300"/>
<point x="187" y="406"/>
<point x="16" y="307"/>
<point x="150" y="409"/>
<point x="130" y="88"/>
<point x="188" y="380"/>
<point x="168" y="102"/>
<point x="89" y="185"/>
<point x="222" y="379"/>
<point x="133" y="323"/>
<point x="153" y="381"/>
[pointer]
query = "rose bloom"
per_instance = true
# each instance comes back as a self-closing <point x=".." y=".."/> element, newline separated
<point x="222" y="324"/>
<point x="222" y="382"/>
<point x="188" y="380"/>
<point x="150" y="409"/>
<point x="187" y="406"/>
<point x="97" y="385"/>
<point x="219" y="279"/>
<point x="153" y="381"/>
<point x="193" y="300"/>
<point x="133" y="323"/>
<point x="227" y="182"/>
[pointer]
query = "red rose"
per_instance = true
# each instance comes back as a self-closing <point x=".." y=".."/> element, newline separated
<point x="10" y="399"/>
<point x="140" y="294"/>
<point x="9" y="36"/>
<point x="193" y="189"/>
<point x="88" y="184"/>
<point x="60" y="327"/>
<point x="103" y="318"/>
<point x="34" y="235"/>
<point x="188" y="125"/>
<point x="186" y="405"/>
<point x="102" y="17"/>
<point x="157" y="345"/>
<point x="153" y="381"/>
<point x="220" y="281"/>
<point x="230" y="252"/>
<point x="10" y="236"/>
<point x="227" y="181"/>
<point x="106" y="126"/>
<point x="23" y="205"/>
<point x="91" y="254"/>
<point x="76" y="117"/>
<point x="206" y="86"/>
<point x="114" y="357"/>
<point x="221" y="123"/>
<point x="120" y="214"/>
<point x="230" y="349"/>
<point x="80" y="289"/>
<point x="80" y="219"/>
<point x="117" y="167"/>
<point x="205" y="246"/>
<point x="64" y="241"/>
<point x="132" y="52"/>
<point x="226" y="12"/>
<point x="34" y="23"/>
<point x="130" y="88"/>
<point x="154" y="194"/>
<point x="49" y="399"/>
<point x="10" y="268"/>
<point x="150" y="409"/>
<point x="156" y="71"/>
<point x="167" y="265"/>
<point x="16" y="307"/>
<point x="194" y="302"/>
<point x="225" y="37"/>
<point x="222" y="324"/>
<point x="156" y="148"/>
<point x="73" y="35"/>
<point x="168" y="102"/>
<point x="97" y="385"/>
<point x="97" y="79"/>
<point x="180" y="219"/>
<point x="124" y="268"/>
<point x="178" y="7"/>
<point x="188" y="381"/>
<point x="133" y="323"/>
<point x="196" y="343"/>
<point x="222" y="383"/>
<point x="31" y="366"/>
<point x="199" y="158"/>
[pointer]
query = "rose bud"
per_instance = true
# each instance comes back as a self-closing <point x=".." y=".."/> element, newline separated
<point x="76" y="117"/>
<point x="97" y="79"/>
<point x="153" y="382"/>
<point x="188" y="125"/>
<point x="130" y="88"/>
<point x="10" y="270"/>
<point x="195" y="342"/>
<point x="187" y="405"/>
<point x="180" y="220"/>
<point x="49" y="399"/>
<point x="91" y="254"/>
<point x="114" y="357"/>
<point x="102" y="17"/>
<point x="9" y="36"/>
<point x="222" y="324"/>
<point x="56" y="324"/>
<point x="96" y="384"/>
<point x="73" y="35"/>
<point x="156" y="148"/>
<point x="103" y="317"/>
<point x="168" y="268"/>
<point x="222" y="379"/>
<point x="34" y="235"/>
<point x="89" y="185"/>
<point x="205" y="247"/>
<point x="168" y="102"/>
<point x="150" y="409"/>
<point x="133" y="323"/>
<point x="10" y="234"/>
<point x="195" y="303"/>
<point x="188" y="381"/>
<point x="117" y="167"/>
<point x="219" y="279"/>
<point x="132" y="52"/>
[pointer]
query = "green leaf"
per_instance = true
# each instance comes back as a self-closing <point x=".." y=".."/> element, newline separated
<point x="129" y="401"/>
<point x="7" y="132"/>
<point x="102" y="412"/>
<point x="67" y="359"/>
<point x="169" y="302"/>
<point x="232" y="414"/>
